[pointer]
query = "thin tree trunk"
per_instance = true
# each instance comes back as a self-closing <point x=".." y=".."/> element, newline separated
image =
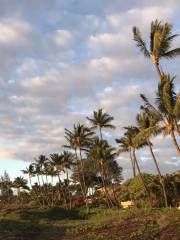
<point x="133" y="163"/>
<point x="69" y="193"/>
<point x="175" y="141"/>
<point x="159" y="70"/>
<point x="40" y="192"/>
<point x="105" y="186"/>
<point x="84" y="183"/>
<point x="159" y="173"/>
<point x="141" y="176"/>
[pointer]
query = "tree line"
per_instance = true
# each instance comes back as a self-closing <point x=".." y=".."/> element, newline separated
<point x="89" y="161"/>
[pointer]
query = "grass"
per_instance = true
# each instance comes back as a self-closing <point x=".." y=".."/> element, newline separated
<point x="60" y="224"/>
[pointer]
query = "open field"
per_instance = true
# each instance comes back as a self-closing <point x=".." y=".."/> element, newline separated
<point x="59" y="224"/>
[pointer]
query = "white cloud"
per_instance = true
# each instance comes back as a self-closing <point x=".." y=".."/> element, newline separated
<point x="13" y="31"/>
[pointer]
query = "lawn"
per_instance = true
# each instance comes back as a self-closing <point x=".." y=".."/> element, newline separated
<point x="60" y="224"/>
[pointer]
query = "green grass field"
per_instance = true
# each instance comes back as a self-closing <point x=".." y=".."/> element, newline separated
<point x="59" y="224"/>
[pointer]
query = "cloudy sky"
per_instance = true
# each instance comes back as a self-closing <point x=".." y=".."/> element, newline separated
<point x="62" y="59"/>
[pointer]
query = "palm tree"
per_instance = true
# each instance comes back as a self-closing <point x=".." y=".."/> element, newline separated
<point x="131" y="133"/>
<point x="57" y="167"/>
<point x="103" y="154"/>
<point x="160" y="43"/>
<point x="168" y="108"/>
<point x="30" y="172"/>
<point x="20" y="183"/>
<point x="68" y="161"/>
<point x="101" y="120"/>
<point x="125" y="146"/>
<point x="148" y="127"/>
<point x="79" y="140"/>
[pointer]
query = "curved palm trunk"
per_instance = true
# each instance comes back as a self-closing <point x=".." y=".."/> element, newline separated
<point x="175" y="141"/>
<point x="141" y="176"/>
<point x="159" y="173"/>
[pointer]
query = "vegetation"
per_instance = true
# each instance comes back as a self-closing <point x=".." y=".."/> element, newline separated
<point x="86" y="174"/>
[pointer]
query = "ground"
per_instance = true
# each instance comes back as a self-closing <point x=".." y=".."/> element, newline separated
<point x="60" y="224"/>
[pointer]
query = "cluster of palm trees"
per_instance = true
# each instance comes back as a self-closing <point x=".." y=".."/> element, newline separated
<point x="163" y="116"/>
<point x="89" y="161"/>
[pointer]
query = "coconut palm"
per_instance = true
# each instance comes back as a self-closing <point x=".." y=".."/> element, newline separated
<point x="104" y="155"/>
<point x="20" y="183"/>
<point x="148" y="127"/>
<point x="30" y="172"/>
<point x="101" y="120"/>
<point x="57" y="167"/>
<point x="79" y="140"/>
<point x="167" y="108"/>
<point x="68" y="161"/>
<point x="161" y="38"/>
<point x="131" y="133"/>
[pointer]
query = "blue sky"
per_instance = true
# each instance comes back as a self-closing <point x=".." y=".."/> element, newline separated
<point x="61" y="59"/>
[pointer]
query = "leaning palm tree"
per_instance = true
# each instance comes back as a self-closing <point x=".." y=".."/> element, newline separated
<point x="167" y="108"/>
<point x="101" y="120"/>
<point x="160" y="43"/>
<point x="131" y="133"/>
<point x="148" y="127"/>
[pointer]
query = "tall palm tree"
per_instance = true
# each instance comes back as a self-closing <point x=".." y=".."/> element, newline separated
<point x="160" y="43"/>
<point x="58" y="167"/>
<point x="101" y="120"/>
<point x="126" y="146"/>
<point x="30" y="172"/>
<point x="68" y="161"/>
<point x="103" y="154"/>
<point x="167" y="108"/>
<point x="131" y="133"/>
<point x="148" y="127"/>
<point x="79" y="140"/>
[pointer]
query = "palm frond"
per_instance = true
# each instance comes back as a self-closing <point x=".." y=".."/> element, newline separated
<point x="140" y="42"/>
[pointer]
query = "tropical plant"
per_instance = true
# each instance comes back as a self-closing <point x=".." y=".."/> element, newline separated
<point x="148" y="127"/>
<point x="161" y="38"/>
<point x="166" y="110"/>
<point x="101" y="120"/>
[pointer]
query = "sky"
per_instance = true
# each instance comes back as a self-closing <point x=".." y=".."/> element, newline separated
<point x="62" y="59"/>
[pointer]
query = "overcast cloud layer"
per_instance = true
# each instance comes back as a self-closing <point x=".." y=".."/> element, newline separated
<point x="60" y="60"/>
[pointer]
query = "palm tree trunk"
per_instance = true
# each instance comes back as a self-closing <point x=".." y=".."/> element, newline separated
<point x="100" y="131"/>
<point x="159" y="173"/>
<point x="133" y="163"/>
<point x="159" y="70"/>
<point x="175" y="141"/>
<point x="108" y="198"/>
<point x="141" y="176"/>
<point x="81" y="185"/>
<point x="69" y="193"/>
<point x="84" y="183"/>
<point x="40" y="192"/>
